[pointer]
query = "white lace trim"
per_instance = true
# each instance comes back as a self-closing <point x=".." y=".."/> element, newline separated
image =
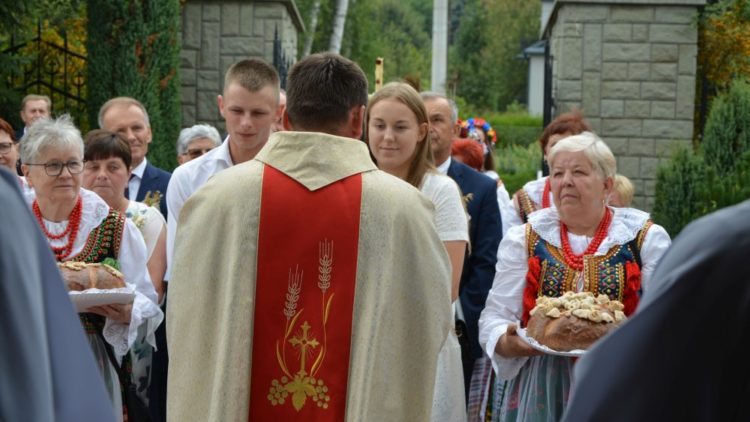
<point x="626" y="223"/>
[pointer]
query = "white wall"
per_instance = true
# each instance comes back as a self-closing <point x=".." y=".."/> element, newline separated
<point x="536" y="85"/>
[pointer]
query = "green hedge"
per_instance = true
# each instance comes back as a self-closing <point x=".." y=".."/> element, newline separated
<point x="133" y="50"/>
<point x="691" y="184"/>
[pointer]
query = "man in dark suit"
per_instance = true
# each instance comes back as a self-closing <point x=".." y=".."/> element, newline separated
<point x="128" y="117"/>
<point x="485" y="228"/>
<point x="683" y="356"/>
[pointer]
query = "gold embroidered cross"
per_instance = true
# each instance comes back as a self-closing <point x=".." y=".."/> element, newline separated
<point x="303" y="343"/>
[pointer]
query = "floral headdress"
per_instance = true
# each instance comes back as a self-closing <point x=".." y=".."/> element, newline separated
<point x="473" y="124"/>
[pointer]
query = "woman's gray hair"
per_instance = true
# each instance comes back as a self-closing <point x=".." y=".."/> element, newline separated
<point x="593" y="148"/>
<point x="47" y="133"/>
<point x="190" y="134"/>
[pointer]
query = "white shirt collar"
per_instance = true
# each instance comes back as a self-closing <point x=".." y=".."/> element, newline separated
<point x="443" y="168"/>
<point x="140" y="168"/>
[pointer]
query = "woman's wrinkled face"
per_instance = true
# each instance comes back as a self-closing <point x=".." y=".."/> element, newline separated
<point x="8" y="152"/>
<point x="63" y="187"/>
<point x="108" y="177"/>
<point x="393" y="136"/>
<point x="576" y="185"/>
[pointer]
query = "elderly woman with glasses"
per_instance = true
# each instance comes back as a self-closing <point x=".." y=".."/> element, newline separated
<point x="195" y="141"/>
<point x="80" y="226"/>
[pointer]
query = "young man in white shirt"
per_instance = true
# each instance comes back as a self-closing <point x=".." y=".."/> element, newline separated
<point x="250" y="107"/>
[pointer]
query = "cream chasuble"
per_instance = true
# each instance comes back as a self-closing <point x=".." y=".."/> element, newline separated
<point x="401" y="311"/>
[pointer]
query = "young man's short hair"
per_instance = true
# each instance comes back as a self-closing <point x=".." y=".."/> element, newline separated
<point x="252" y="74"/>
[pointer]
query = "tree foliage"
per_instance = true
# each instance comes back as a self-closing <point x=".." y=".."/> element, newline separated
<point x="485" y="38"/>
<point x="725" y="50"/>
<point x="690" y="184"/>
<point x="134" y="51"/>
<point x="485" y="65"/>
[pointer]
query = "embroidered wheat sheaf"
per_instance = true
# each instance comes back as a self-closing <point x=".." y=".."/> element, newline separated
<point x="293" y="290"/>
<point x="325" y="264"/>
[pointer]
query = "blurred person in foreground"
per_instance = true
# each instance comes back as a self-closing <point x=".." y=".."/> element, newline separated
<point x="683" y="356"/>
<point x="196" y="140"/>
<point x="579" y="245"/>
<point x="81" y="227"/>
<point x="346" y="322"/>
<point x="49" y="373"/>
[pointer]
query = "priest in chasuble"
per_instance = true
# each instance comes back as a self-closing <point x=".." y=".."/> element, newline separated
<point x="308" y="285"/>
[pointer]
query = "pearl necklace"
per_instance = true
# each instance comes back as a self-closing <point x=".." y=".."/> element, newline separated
<point x="576" y="261"/>
<point x="71" y="230"/>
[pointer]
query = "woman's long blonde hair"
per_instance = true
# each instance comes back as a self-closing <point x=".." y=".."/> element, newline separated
<point x="422" y="162"/>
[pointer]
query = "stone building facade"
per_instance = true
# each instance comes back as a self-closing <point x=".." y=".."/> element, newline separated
<point x="630" y="66"/>
<point x="217" y="33"/>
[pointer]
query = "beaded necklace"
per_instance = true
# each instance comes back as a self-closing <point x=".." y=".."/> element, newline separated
<point x="71" y="230"/>
<point x="576" y="261"/>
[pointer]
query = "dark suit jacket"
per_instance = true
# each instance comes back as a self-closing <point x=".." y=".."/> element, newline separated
<point x="19" y="134"/>
<point x="485" y="232"/>
<point x="683" y="356"/>
<point x="154" y="179"/>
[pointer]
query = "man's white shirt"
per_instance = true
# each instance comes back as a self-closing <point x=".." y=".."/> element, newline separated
<point x="135" y="179"/>
<point x="185" y="181"/>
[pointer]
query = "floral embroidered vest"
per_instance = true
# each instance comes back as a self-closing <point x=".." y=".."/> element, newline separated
<point x="615" y="274"/>
<point x="103" y="242"/>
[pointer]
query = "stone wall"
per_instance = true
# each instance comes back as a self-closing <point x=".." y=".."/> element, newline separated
<point x="216" y="34"/>
<point x="630" y="66"/>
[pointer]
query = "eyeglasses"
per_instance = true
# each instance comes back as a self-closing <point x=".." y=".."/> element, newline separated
<point x="195" y="153"/>
<point x="5" y="147"/>
<point x="55" y="169"/>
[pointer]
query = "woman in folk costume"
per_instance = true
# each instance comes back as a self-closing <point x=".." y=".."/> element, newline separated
<point x="106" y="173"/>
<point x="397" y="134"/>
<point x="536" y="194"/>
<point x="81" y="227"/>
<point x="581" y="244"/>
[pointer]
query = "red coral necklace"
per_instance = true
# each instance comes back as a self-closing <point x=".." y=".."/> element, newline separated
<point x="576" y="261"/>
<point x="71" y="230"/>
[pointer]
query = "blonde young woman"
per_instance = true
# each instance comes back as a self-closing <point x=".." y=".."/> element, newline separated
<point x="396" y="132"/>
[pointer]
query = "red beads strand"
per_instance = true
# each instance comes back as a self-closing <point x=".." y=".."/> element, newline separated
<point x="576" y="261"/>
<point x="74" y="222"/>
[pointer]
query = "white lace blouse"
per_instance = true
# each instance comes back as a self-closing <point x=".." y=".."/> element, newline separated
<point x="504" y="304"/>
<point x="132" y="259"/>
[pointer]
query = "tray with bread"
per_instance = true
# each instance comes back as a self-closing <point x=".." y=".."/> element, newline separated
<point x="570" y="324"/>
<point x="94" y="285"/>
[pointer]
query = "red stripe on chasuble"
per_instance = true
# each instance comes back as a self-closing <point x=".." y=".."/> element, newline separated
<point x="304" y="297"/>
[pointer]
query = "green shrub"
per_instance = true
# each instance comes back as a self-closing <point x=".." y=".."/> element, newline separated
<point x="682" y="191"/>
<point x="517" y="164"/>
<point x="133" y="50"/>
<point x="727" y="132"/>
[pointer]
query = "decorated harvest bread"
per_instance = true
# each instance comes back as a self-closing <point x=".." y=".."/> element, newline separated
<point x="574" y="320"/>
<point x="81" y="276"/>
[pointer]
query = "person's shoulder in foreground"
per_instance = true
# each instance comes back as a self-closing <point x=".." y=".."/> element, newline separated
<point x="683" y="355"/>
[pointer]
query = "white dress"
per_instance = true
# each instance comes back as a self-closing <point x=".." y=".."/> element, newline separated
<point x="505" y="300"/>
<point x="449" y="403"/>
<point x="132" y="260"/>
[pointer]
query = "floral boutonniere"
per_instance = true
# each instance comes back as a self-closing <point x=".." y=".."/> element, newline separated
<point x="152" y="199"/>
<point x="468" y="197"/>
